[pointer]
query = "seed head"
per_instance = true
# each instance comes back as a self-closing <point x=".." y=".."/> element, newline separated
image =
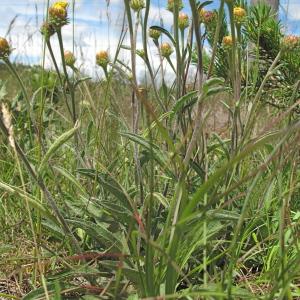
<point x="227" y="41"/>
<point x="290" y="42"/>
<point x="166" y="50"/>
<point x="183" y="21"/>
<point x="137" y="5"/>
<point x="5" y="49"/>
<point x="102" y="59"/>
<point x="171" y="3"/>
<point x="154" y="34"/>
<point x="69" y="58"/>
<point x="239" y="14"/>
<point x="7" y="120"/>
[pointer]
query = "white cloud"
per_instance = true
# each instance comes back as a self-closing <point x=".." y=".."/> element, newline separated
<point x="160" y="16"/>
<point x="294" y="11"/>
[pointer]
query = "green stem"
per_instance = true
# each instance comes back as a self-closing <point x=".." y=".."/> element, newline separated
<point x="233" y="52"/>
<point x="59" y="75"/>
<point x="171" y="64"/>
<point x="255" y="103"/>
<point x="177" y="49"/>
<point x="182" y="60"/>
<point x="147" y="62"/>
<point x="216" y="39"/>
<point x="70" y="85"/>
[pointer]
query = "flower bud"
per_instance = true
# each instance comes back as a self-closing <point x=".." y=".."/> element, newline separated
<point x="141" y="53"/>
<point x="5" y="49"/>
<point x="171" y="3"/>
<point x="69" y="58"/>
<point x="239" y="14"/>
<point x="154" y="34"/>
<point x="290" y="42"/>
<point x="137" y="5"/>
<point x="47" y="30"/>
<point x="183" y="21"/>
<point x="102" y="59"/>
<point x="166" y="50"/>
<point x="227" y="41"/>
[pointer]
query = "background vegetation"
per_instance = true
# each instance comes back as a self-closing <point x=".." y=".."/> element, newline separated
<point x="112" y="189"/>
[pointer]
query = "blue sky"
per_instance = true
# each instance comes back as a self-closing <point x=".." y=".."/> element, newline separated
<point x="97" y="26"/>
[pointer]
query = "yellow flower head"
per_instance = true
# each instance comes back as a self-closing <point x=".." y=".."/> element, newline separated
<point x="4" y="48"/>
<point x="166" y="50"/>
<point x="102" y="59"/>
<point x="63" y="4"/>
<point x="69" y="58"/>
<point x="227" y="41"/>
<point x="239" y="14"/>
<point x="58" y="14"/>
<point x="183" y="21"/>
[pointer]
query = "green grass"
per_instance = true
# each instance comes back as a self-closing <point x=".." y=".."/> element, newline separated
<point x="113" y="190"/>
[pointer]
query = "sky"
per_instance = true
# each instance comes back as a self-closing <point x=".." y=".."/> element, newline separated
<point x="97" y="27"/>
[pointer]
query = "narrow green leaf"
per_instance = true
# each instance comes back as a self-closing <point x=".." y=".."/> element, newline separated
<point x="71" y="178"/>
<point x="56" y="145"/>
<point x="33" y="202"/>
<point x="109" y="184"/>
<point x="184" y="100"/>
<point x="97" y="232"/>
